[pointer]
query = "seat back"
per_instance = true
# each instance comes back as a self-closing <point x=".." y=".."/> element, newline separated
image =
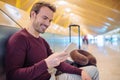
<point x="5" y="33"/>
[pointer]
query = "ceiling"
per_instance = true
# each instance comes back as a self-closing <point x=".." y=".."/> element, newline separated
<point x="94" y="16"/>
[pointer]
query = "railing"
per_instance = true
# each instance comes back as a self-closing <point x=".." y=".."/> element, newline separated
<point x="11" y="18"/>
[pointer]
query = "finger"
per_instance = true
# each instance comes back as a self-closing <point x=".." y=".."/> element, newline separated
<point x="64" y="54"/>
<point x="63" y="59"/>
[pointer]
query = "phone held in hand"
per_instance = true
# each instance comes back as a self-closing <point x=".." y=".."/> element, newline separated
<point x="70" y="47"/>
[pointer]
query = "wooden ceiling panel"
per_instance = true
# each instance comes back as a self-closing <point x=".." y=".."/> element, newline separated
<point x="99" y="16"/>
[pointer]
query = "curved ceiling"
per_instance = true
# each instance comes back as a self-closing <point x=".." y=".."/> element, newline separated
<point x="94" y="16"/>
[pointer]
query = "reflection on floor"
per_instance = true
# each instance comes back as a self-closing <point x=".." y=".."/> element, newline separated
<point x="108" y="58"/>
<point x="107" y="54"/>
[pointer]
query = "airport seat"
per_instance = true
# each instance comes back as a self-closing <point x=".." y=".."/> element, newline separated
<point x="5" y="33"/>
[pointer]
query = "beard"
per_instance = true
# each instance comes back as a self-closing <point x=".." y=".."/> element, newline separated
<point x="39" y="27"/>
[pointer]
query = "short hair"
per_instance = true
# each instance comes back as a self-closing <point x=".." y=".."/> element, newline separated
<point x="37" y="6"/>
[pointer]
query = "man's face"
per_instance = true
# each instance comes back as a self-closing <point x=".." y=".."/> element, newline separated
<point x="42" y="20"/>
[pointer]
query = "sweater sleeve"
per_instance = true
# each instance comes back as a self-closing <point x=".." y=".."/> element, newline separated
<point x="16" y="53"/>
<point x="64" y="67"/>
<point x="67" y="68"/>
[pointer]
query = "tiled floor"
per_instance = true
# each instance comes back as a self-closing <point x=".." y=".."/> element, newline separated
<point x="108" y="61"/>
<point x="108" y="58"/>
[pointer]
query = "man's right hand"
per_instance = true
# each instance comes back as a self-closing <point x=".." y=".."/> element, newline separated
<point x="55" y="59"/>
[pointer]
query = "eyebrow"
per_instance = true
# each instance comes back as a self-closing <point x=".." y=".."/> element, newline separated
<point x="48" y="17"/>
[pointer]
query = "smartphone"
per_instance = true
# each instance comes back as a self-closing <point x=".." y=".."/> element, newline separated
<point x="70" y="47"/>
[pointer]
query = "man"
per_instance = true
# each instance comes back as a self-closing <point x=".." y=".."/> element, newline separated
<point x="29" y="56"/>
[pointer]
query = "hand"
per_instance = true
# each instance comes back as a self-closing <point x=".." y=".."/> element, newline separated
<point x="55" y="59"/>
<point x="85" y="76"/>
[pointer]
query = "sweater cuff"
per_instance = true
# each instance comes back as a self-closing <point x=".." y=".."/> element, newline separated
<point x="42" y="65"/>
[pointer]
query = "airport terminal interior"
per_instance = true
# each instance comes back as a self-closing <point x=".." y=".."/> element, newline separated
<point x="97" y="21"/>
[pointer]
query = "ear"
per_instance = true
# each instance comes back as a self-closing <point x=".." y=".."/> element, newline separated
<point x="33" y="14"/>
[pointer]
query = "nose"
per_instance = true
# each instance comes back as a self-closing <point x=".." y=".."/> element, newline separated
<point x="47" y="22"/>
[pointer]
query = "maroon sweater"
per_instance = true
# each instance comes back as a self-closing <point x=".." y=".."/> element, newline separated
<point x="25" y="58"/>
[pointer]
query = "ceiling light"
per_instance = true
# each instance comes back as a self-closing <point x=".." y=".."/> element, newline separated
<point x="108" y="24"/>
<point x="67" y="9"/>
<point x="111" y="19"/>
<point x="61" y="2"/>
<point x="71" y="14"/>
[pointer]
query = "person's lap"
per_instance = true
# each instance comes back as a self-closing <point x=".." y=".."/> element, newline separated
<point x="91" y="70"/>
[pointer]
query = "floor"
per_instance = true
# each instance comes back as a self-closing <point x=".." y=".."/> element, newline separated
<point x="108" y="60"/>
<point x="107" y="54"/>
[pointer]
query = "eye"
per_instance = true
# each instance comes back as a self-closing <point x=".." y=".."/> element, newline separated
<point x="50" y="20"/>
<point x="45" y="18"/>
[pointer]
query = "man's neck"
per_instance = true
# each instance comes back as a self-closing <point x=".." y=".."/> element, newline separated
<point x="32" y="31"/>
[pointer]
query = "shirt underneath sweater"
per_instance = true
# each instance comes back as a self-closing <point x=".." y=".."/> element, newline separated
<point x="25" y="58"/>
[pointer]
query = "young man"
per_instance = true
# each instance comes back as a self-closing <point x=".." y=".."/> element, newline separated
<point x="29" y="56"/>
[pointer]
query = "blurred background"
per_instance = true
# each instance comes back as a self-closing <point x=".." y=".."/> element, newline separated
<point x="94" y="25"/>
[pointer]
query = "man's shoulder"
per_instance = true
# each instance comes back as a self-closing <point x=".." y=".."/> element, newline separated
<point x="20" y="34"/>
<point x="18" y="38"/>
